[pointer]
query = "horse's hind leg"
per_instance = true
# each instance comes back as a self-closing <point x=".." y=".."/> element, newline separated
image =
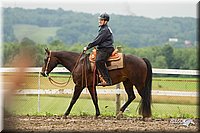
<point x="77" y="92"/>
<point x="131" y="96"/>
<point x="145" y="106"/>
<point x="93" y="94"/>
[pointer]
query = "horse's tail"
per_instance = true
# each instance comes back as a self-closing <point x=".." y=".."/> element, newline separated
<point x="145" y="106"/>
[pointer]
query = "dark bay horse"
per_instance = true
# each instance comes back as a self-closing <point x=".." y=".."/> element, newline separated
<point x="137" y="71"/>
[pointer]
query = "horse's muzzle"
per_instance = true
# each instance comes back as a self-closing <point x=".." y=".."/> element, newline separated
<point x="44" y="74"/>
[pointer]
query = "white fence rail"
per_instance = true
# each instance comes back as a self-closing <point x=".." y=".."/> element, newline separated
<point x="106" y="91"/>
<point x="32" y="69"/>
<point x="63" y="69"/>
<point x="103" y="91"/>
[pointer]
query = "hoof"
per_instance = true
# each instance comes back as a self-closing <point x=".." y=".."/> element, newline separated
<point x="96" y="116"/>
<point x="119" y="115"/>
<point x="64" y="117"/>
<point x="147" y="119"/>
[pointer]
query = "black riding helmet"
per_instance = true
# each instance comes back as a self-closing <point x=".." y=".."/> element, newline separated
<point x="104" y="16"/>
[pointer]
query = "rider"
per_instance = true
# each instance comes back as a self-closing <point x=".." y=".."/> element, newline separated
<point x="104" y="42"/>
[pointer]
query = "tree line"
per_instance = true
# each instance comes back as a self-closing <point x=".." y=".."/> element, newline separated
<point x="76" y="27"/>
<point x="164" y="56"/>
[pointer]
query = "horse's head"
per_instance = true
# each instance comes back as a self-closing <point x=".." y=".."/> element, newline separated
<point x="50" y="62"/>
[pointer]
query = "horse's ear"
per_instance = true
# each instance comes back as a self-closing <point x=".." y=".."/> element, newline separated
<point x="47" y="51"/>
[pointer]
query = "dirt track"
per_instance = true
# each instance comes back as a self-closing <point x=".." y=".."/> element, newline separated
<point x="102" y="124"/>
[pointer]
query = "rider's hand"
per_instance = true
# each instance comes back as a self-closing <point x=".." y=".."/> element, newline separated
<point x="85" y="49"/>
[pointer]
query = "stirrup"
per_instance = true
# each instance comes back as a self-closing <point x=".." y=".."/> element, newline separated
<point x="104" y="84"/>
<point x="103" y="81"/>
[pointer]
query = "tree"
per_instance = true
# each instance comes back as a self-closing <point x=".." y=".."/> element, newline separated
<point x="10" y="50"/>
<point x="193" y="63"/>
<point x="168" y="53"/>
<point x="27" y="42"/>
<point x="160" y="62"/>
<point x="8" y="33"/>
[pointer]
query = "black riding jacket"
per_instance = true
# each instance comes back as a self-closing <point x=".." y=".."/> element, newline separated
<point x="104" y="38"/>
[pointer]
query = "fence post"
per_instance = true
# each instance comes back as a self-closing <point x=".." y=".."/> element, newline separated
<point x="118" y="102"/>
<point x="39" y="92"/>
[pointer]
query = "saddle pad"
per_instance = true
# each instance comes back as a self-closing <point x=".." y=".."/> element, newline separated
<point x="111" y="65"/>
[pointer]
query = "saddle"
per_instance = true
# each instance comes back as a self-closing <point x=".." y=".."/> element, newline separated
<point x="115" y="61"/>
<point x="115" y="56"/>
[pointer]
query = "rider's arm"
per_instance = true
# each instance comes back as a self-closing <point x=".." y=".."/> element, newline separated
<point x="100" y="38"/>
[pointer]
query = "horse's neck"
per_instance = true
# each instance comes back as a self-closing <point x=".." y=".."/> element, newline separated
<point x="67" y="59"/>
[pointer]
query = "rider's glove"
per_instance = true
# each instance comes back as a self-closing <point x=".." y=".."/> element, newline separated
<point x="84" y="49"/>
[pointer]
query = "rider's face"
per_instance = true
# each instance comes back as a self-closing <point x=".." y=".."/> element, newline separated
<point x="102" y="22"/>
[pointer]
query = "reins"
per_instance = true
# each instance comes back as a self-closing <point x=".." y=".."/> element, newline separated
<point x="60" y="84"/>
<point x="84" y="73"/>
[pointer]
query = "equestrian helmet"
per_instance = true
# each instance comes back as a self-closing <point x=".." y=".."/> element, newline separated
<point x="104" y="16"/>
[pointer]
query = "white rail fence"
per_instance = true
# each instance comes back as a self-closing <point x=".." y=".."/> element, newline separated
<point x="106" y="91"/>
<point x="64" y="70"/>
<point x="103" y="91"/>
<point x="116" y="91"/>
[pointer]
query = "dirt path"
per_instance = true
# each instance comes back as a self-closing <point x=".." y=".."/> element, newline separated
<point x="86" y="123"/>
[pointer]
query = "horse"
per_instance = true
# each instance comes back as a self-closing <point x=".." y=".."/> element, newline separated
<point x="136" y="72"/>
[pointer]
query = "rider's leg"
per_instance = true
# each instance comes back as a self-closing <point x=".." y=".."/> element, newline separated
<point x="102" y="56"/>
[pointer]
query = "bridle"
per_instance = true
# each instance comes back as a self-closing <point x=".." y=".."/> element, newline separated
<point x="59" y="84"/>
<point x="47" y="65"/>
<point x="63" y="84"/>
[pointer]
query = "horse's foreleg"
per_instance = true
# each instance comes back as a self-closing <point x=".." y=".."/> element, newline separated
<point x="131" y="96"/>
<point x="93" y="94"/>
<point x="77" y="92"/>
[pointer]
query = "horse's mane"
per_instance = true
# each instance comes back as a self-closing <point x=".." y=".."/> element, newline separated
<point x="65" y="53"/>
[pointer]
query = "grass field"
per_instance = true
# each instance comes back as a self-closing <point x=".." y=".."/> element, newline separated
<point x="36" y="33"/>
<point x="50" y="105"/>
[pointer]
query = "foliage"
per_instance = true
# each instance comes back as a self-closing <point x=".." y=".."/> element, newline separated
<point x="26" y="41"/>
<point x="160" y="56"/>
<point x="75" y="27"/>
<point x="167" y="56"/>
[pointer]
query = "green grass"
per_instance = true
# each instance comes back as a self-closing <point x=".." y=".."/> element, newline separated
<point x="49" y="105"/>
<point x="33" y="32"/>
<point x="175" y="84"/>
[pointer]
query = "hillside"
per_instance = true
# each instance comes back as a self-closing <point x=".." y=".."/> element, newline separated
<point x="45" y="25"/>
<point x="33" y="32"/>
